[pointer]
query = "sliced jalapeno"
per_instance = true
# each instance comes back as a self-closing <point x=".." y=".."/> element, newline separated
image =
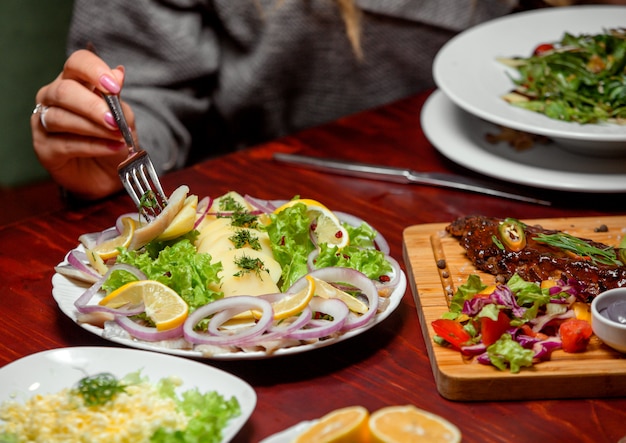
<point x="512" y="234"/>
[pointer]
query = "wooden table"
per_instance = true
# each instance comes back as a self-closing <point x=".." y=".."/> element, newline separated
<point x="385" y="366"/>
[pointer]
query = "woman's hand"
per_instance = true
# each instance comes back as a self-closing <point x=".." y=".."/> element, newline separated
<point x="81" y="145"/>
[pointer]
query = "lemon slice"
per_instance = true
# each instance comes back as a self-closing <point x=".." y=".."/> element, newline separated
<point x="162" y="304"/>
<point x="328" y="228"/>
<point x="345" y="425"/>
<point x="108" y="249"/>
<point x="293" y="304"/>
<point x="326" y="290"/>
<point x="400" y="424"/>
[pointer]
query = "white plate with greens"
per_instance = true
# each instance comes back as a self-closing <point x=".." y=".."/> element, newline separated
<point x="460" y="136"/>
<point x="51" y="371"/>
<point x="467" y="70"/>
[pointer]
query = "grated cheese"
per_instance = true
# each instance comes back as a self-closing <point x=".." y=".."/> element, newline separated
<point x="131" y="416"/>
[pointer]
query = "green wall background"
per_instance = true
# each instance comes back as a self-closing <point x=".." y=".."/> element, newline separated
<point x="32" y="53"/>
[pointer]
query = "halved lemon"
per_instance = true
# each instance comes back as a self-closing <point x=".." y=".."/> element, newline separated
<point x="293" y="304"/>
<point x="326" y="290"/>
<point x="345" y="425"/>
<point x="162" y="304"/>
<point x="108" y="249"/>
<point x="328" y="228"/>
<point x="407" y="424"/>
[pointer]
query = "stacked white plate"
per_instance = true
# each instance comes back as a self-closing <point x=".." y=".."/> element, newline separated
<point x="468" y="105"/>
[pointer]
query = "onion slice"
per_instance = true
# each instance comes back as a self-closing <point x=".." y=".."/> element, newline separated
<point x="337" y="309"/>
<point x="360" y="281"/>
<point x="82" y="302"/>
<point x="235" y="305"/>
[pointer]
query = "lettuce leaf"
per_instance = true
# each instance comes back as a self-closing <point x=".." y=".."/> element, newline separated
<point x="178" y="265"/>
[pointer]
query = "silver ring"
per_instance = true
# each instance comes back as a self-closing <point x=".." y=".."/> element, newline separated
<point x="41" y="110"/>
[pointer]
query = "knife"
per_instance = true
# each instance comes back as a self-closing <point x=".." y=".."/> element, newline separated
<point x="404" y="175"/>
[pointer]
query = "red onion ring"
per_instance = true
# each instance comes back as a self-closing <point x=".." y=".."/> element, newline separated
<point x="202" y="210"/>
<point x="147" y="333"/>
<point x="330" y="306"/>
<point x="75" y="258"/>
<point x="235" y="305"/>
<point x="119" y="224"/>
<point x="82" y="302"/>
<point x="395" y="274"/>
<point x="262" y="205"/>
<point x="359" y="281"/>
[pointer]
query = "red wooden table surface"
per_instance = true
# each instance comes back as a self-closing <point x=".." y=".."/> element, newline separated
<point x="384" y="366"/>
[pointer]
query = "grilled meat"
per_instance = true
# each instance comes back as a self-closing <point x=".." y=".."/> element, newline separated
<point x="535" y="260"/>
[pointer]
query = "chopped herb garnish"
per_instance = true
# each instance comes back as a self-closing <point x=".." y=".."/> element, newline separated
<point x="580" y="247"/>
<point x="99" y="389"/>
<point x="244" y="219"/>
<point x="249" y="264"/>
<point x="243" y="238"/>
<point x="228" y="203"/>
<point x="148" y="200"/>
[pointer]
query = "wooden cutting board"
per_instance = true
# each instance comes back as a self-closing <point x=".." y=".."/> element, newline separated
<point x="598" y="372"/>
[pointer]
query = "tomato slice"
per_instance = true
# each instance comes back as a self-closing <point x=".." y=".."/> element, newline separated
<point x="545" y="47"/>
<point x="575" y="334"/>
<point x="491" y="331"/>
<point x="451" y="331"/>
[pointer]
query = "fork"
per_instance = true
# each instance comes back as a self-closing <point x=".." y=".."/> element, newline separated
<point x="137" y="172"/>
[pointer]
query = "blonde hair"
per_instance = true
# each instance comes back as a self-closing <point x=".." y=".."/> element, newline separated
<point x="351" y="16"/>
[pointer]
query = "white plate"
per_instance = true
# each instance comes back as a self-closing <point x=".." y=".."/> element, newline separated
<point x="66" y="291"/>
<point x="461" y="137"/>
<point x="466" y="69"/>
<point x="50" y="371"/>
<point x="289" y="434"/>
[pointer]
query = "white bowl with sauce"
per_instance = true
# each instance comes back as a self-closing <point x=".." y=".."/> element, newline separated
<point x="608" y="318"/>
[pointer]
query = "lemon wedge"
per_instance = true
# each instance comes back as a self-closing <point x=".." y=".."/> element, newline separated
<point x="293" y="304"/>
<point x="109" y="248"/>
<point x="345" y="425"/>
<point x="326" y="290"/>
<point x="162" y="304"/>
<point x="327" y="227"/>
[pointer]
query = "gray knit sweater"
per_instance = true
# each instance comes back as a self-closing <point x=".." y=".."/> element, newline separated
<point x="207" y="76"/>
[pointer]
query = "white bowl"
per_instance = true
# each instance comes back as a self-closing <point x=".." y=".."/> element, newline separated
<point x="611" y="332"/>
<point x="466" y="69"/>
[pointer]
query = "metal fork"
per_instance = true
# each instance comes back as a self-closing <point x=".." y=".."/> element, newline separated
<point x="137" y="172"/>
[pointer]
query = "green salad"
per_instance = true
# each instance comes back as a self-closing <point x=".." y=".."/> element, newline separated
<point x="581" y="78"/>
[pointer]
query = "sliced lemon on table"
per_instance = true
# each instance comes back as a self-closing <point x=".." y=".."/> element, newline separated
<point x="109" y="248"/>
<point x="407" y="424"/>
<point x="162" y="304"/>
<point x="345" y="425"/>
<point x="328" y="228"/>
<point x="326" y="290"/>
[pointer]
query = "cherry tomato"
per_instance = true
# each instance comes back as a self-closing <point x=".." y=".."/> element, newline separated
<point x="451" y="331"/>
<point x="491" y="331"/>
<point x="575" y="334"/>
<point x="543" y="48"/>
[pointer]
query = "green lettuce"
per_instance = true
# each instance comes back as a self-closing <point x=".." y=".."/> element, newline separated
<point x="177" y="265"/>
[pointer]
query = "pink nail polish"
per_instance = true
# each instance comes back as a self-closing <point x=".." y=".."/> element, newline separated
<point x="116" y="146"/>
<point x="109" y="84"/>
<point x="110" y="120"/>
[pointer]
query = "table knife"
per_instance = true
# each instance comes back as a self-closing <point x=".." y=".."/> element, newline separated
<point x="404" y="175"/>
